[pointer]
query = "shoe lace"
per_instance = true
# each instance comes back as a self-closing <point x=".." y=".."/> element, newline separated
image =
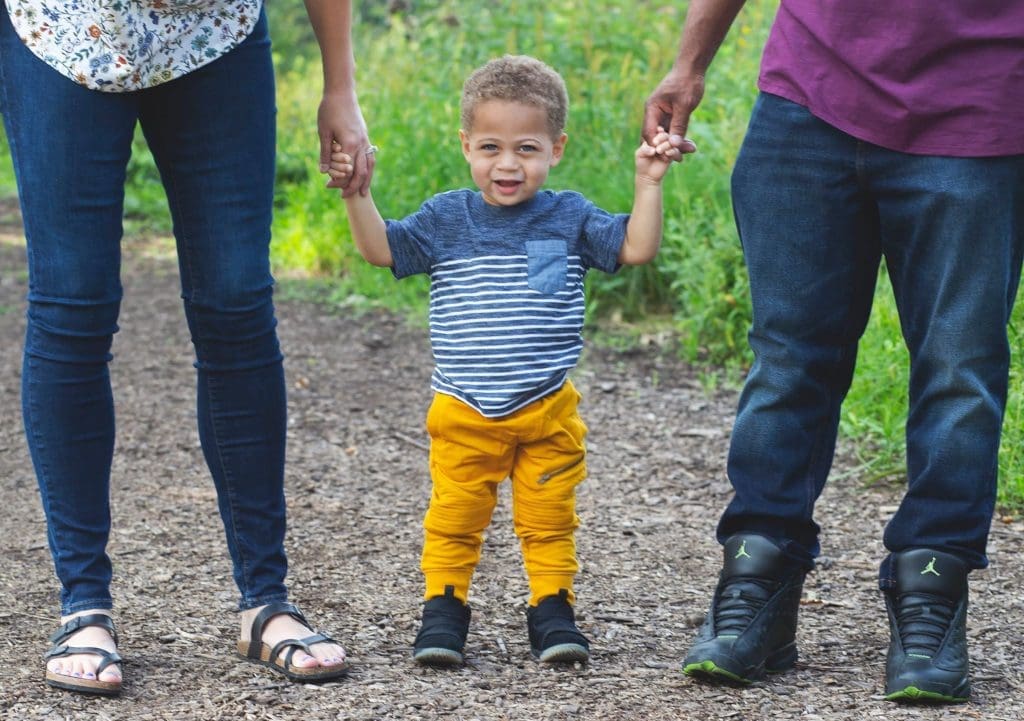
<point x="739" y="601"/>
<point x="923" y="621"/>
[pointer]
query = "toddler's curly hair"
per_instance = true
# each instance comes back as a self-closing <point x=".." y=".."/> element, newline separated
<point x="520" y="79"/>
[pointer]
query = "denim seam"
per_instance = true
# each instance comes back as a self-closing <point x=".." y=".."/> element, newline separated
<point x="814" y="460"/>
<point x="229" y="486"/>
<point x="88" y="604"/>
<point x="4" y="99"/>
<point x="248" y="603"/>
<point x="46" y="487"/>
<point x="184" y="239"/>
<point x="42" y="470"/>
<point x="3" y="85"/>
<point x="859" y="164"/>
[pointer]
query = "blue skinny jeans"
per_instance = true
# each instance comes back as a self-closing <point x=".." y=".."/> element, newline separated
<point x="817" y="210"/>
<point x="212" y="134"/>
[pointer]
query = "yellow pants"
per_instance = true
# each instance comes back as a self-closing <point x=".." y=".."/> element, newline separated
<point x="539" y="447"/>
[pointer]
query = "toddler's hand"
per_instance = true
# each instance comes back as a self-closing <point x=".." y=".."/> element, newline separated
<point x="663" y="146"/>
<point x="653" y="161"/>
<point x="341" y="165"/>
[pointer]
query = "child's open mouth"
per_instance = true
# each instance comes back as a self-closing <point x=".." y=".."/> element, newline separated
<point x="508" y="186"/>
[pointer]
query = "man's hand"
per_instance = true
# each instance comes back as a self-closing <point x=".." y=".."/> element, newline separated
<point x="670" y="106"/>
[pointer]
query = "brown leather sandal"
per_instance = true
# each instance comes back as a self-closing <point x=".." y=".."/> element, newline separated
<point x="60" y="648"/>
<point x="258" y="652"/>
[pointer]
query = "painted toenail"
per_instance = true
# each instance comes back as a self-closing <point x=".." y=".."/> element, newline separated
<point x="90" y="675"/>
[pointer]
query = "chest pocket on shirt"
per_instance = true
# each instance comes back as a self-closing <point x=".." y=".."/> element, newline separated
<point x="546" y="265"/>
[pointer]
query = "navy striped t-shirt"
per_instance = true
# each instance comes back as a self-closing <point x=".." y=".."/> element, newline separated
<point x="506" y="289"/>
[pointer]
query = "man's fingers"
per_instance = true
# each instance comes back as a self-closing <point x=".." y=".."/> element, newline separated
<point x="677" y="130"/>
<point x="654" y="119"/>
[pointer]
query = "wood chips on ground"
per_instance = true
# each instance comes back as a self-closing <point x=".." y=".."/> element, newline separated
<point x="357" y="489"/>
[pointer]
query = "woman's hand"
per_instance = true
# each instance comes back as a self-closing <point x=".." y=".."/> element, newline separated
<point x="340" y="121"/>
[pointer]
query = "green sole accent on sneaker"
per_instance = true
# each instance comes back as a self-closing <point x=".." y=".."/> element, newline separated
<point x="912" y="693"/>
<point x="709" y="669"/>
<point x="437" y="657"/>
<point x="564" y="653"/>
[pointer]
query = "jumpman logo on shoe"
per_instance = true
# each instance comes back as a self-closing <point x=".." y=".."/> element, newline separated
<point x="930" y="568"/>
<point x="743" y="551"/>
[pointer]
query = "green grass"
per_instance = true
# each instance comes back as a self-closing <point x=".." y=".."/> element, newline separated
<point x="411" y="68"/>
<point x="1011" y="452"/>
<point x="875" y="411"/>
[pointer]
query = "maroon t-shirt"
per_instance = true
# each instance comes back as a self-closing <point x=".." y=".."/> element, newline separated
<point x="930" y="77"/>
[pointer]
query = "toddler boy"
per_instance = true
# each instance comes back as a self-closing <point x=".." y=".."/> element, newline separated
<point x="506" y="264"/>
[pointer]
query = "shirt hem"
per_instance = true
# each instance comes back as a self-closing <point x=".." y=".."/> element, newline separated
<point x="504" y="413"/>
<point x="789" y="93"/>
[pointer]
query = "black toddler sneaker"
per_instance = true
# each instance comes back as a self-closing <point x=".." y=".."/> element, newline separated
<point x="927" y="609"/>
<point x="554" y="637"/>
<point x="442" y="634"/>
<point x="751" y="626"/>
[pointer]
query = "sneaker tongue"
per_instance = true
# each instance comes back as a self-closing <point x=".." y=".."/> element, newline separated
<point x="752" y="555"/>
<point x="925" y="571"/>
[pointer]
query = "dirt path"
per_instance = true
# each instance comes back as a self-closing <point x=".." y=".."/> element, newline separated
<point x="357" y="488"/>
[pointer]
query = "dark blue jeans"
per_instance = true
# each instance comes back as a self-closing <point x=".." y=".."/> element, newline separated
<point x="817" y="210"/>
<point x="212" y="133"/>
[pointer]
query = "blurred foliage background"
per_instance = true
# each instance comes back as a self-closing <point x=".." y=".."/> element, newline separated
<point x="413" y="56"/>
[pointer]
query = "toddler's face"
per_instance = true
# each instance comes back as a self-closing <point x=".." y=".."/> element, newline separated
<point x="510" y="150"/>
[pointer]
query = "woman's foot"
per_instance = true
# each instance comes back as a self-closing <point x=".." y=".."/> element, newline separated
<point x="84" y="665"/>
<point x="282" y="627"/>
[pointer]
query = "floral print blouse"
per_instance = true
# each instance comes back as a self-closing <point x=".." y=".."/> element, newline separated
<point x="122" y="45"/>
